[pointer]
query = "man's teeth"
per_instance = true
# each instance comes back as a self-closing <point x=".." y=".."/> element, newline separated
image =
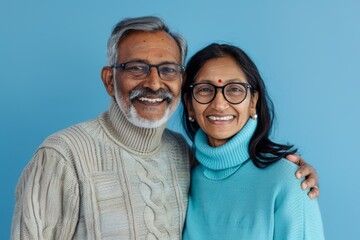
<point x="151" y="100"/>
<point x="225" y="118"/>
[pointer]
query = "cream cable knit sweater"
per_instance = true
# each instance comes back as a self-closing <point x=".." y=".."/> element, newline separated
<point x="104" y="179"/>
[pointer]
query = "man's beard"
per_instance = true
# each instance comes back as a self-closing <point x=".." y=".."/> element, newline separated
<point x="130" y="112"/>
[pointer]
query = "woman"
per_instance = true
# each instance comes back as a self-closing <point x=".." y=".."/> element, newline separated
<point x="242" y="187"/>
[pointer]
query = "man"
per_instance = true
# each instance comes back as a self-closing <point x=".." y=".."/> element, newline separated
<point x="122" y="175"/>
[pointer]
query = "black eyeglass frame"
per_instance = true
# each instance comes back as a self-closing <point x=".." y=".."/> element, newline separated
<point x="157" y="66"/>
<point x="245" y="85"/>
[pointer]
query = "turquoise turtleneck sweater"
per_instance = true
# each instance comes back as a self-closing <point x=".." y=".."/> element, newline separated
<point x="230" y="198"/>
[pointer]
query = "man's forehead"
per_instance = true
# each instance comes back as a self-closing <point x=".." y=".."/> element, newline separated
<point x="156" y="38"/>
<point x="147" y="43"/>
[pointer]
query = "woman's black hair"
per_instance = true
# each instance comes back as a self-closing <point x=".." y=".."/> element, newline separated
<point x="262" y="150"/>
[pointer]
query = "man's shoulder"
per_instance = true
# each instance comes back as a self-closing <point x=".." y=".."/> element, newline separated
<point x="177" y="145"/>
<point x="177" y="141"/>
<point x="174" y="136"/>
<point x="69" y="135"/>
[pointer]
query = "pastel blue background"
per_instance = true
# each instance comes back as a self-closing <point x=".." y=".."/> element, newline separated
<point x="308" y="52"/>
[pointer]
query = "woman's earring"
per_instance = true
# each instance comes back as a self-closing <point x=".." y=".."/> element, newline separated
<point x="191" y="119"/>
<point x="254" y="116"/>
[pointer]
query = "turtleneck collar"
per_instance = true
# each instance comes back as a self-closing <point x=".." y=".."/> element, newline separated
<point x="221" y="162"/>
<point x="136" y="139"/>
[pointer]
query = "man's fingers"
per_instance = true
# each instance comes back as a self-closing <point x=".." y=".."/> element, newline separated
<point x="309" y="183"/>
<point x="314" y="192"/>
<point x="295" y="159"/>
<point x="304" y="170"/>
<point x="308" y="172"/>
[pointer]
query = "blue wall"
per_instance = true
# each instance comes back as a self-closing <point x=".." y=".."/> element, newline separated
<point x="51" y="54"/>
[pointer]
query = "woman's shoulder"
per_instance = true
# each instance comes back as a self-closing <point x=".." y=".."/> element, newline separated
<point x="282" y="171"/>
<point x="284" y="165"/>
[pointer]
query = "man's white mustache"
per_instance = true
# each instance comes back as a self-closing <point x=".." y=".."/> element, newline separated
<point x="145" y="92"/>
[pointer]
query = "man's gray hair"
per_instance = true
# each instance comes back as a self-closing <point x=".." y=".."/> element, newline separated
<point x="147" y="24"/>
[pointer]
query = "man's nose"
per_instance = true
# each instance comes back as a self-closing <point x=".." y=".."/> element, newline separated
<point x="153" y="80"/>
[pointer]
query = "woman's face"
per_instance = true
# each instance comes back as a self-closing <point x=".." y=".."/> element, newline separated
<point x="219" y="119"/>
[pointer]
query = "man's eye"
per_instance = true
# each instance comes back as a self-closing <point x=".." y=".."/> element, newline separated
<point x="168" y="70"/>
<point x="136" y="68"/>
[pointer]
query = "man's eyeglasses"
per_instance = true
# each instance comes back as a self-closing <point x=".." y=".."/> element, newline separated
<point x="234" y="93"/>
<point x="140" y="70"/>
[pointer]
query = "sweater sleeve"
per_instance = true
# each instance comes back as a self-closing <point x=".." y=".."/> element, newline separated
<point x="47" y="198"/>
<point x="296" y="216"/>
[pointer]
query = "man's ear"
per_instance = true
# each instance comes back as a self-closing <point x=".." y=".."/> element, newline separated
<point x="188" y="105"/>
<point x="107" y="77"/>
<point x="183" y="79"/>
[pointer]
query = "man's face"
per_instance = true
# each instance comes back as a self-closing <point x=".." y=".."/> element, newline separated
<point x="147" y="102"/>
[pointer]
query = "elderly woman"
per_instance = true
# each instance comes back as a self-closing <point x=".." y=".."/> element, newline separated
<point x="242" y="188"/>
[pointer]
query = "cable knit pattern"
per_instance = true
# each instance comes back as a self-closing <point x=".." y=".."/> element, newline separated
<point x="104" y="179"/>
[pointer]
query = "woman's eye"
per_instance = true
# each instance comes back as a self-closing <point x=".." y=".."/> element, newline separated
<point x="235" y="89"/>
<point x="205" y="90"/>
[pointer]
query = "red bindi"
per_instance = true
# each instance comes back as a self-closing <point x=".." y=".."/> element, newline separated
<point x="219" y="81"/>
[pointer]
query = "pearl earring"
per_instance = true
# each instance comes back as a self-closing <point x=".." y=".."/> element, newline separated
<point x="191" y="119"/>
<point x="254" y="116"/>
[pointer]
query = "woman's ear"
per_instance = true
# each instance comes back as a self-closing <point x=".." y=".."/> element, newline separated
<point x="107" y="77"/>
<point x="253" y="102"/>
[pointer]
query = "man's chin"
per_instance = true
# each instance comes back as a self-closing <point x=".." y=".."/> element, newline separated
<point x="150" y="120"/>
<point x="145" y="123"/>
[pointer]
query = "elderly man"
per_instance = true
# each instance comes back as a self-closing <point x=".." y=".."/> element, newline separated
<point x="122" y="175"/>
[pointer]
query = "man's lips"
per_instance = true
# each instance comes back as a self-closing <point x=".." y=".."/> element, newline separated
<point x="147" y="96"/>
<point x="150" y="100"/>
